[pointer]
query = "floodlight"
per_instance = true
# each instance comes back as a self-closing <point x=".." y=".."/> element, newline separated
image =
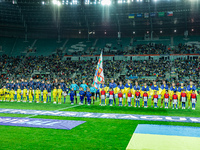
<point x="54" y="2"/>
<point x="106" y="2"/>
<point x="58" y="3"/>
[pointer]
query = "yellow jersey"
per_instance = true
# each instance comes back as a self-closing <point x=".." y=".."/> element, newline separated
<point x="37" y="93"/>
<point x="1" y="92"/>
<point x="55" y="92"/>
<point x="60" y="93"/>
<point x="19" y="91"/>
<point x="12" y="93"/>
<point x="45" y="93"/>
<point x="24" y="92"/>
<point x="30" y="93"/>
<point x="7" y="93"/>
<point x="4" y="91"/>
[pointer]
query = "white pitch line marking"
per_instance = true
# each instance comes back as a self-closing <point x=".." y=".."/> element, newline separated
<point x="56" y="110"/>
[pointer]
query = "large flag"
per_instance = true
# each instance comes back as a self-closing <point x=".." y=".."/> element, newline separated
<point x="99" y="76"/>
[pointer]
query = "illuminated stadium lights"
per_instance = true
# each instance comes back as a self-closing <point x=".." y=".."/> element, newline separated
<point x="87" y="2"/>
<point x="147" y="32"/>
<point x="42" y="2"/>
<point x="75" y="2"/>
<point x="175" y="31"/>
<point x="106" y="2"/>
<point x="119" y="1"/>
<point x="161" y="31"/>
<point x="192" y="30"/>
<point x="133" y="32"/>
<point x="56" y="2"/>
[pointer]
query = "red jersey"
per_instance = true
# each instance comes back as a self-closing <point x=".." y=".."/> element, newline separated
<point x="145" y="95"/>
<point x="166" y="95"/>
<point x="155" y="96"/>
<point x="111" y="92"/>
<point x="183" y="95"/>
<point x="129" y="94"/>
<point x="137" y="94"/>
<point x="103" y="92"/>
<point x="120" y="94"/>
<point x="175" y="96"/>
<point x="193" y="96"/>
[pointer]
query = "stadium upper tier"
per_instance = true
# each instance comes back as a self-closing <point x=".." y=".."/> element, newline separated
<point x="114" y="46"/>
<point x="42" y="18"/>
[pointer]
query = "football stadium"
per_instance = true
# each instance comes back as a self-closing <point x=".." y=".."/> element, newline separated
<point x="99" y="74"/>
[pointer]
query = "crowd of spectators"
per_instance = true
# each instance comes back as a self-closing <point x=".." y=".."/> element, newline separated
<point x="25" y="67"/>
<point x="152" y="48"/>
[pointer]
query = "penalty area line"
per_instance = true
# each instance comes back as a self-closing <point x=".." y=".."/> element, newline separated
<point x="56" y="110"/>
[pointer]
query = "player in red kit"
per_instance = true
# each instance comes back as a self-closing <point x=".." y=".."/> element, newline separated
<point x="120" y="97"/>
<point x="183" y="98"/>
<point x="129" y="98"/>
<point x="137" y="98"/>
<point x="111" y="97"/>
<point x="145" y="98"/>
<point x="103" y="97"/>
<point x="175" y="100"/>
<point x="193" y="99"/>
<point x="166" y="99"/>
<point x="155" y="100"/>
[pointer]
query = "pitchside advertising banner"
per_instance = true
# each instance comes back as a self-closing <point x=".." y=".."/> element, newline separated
<point x="39" y="123"/>
<point x="102" y="115"/>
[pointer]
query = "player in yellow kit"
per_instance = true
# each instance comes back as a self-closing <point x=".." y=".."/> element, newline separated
<point x="59" y="95"/>
<point x="24" y="94"/>
<point x="30" y="95"/>
<point x="1" y="94"/>
<point x="4" y="93"/>
<point x="37" y="95"/>
<point x="12" y="95"/>
<point x="7" y="96"/>
<point x="55" y="93"/>
<point x="45" y="95"/>
<point x="19" y="94"/>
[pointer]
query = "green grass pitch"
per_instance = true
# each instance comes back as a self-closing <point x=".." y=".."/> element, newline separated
<point x="109" y="134"/>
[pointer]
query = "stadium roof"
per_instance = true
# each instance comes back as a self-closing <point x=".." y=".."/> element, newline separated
<point x="74" y="18"/>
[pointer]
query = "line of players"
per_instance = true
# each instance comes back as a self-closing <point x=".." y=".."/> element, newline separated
<point x="132" y="94"/>
<point x="27" y="90"/>
<point x="30" y="91"/>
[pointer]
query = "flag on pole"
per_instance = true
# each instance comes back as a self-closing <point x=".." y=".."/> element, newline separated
<point x="99" y="76"/>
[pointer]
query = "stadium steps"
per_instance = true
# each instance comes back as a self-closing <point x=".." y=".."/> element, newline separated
<point x="46" y="47"/>
<point x="21" y="47"/>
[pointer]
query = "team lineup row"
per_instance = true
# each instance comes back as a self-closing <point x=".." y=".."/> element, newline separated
<point x="40" y="90"/>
